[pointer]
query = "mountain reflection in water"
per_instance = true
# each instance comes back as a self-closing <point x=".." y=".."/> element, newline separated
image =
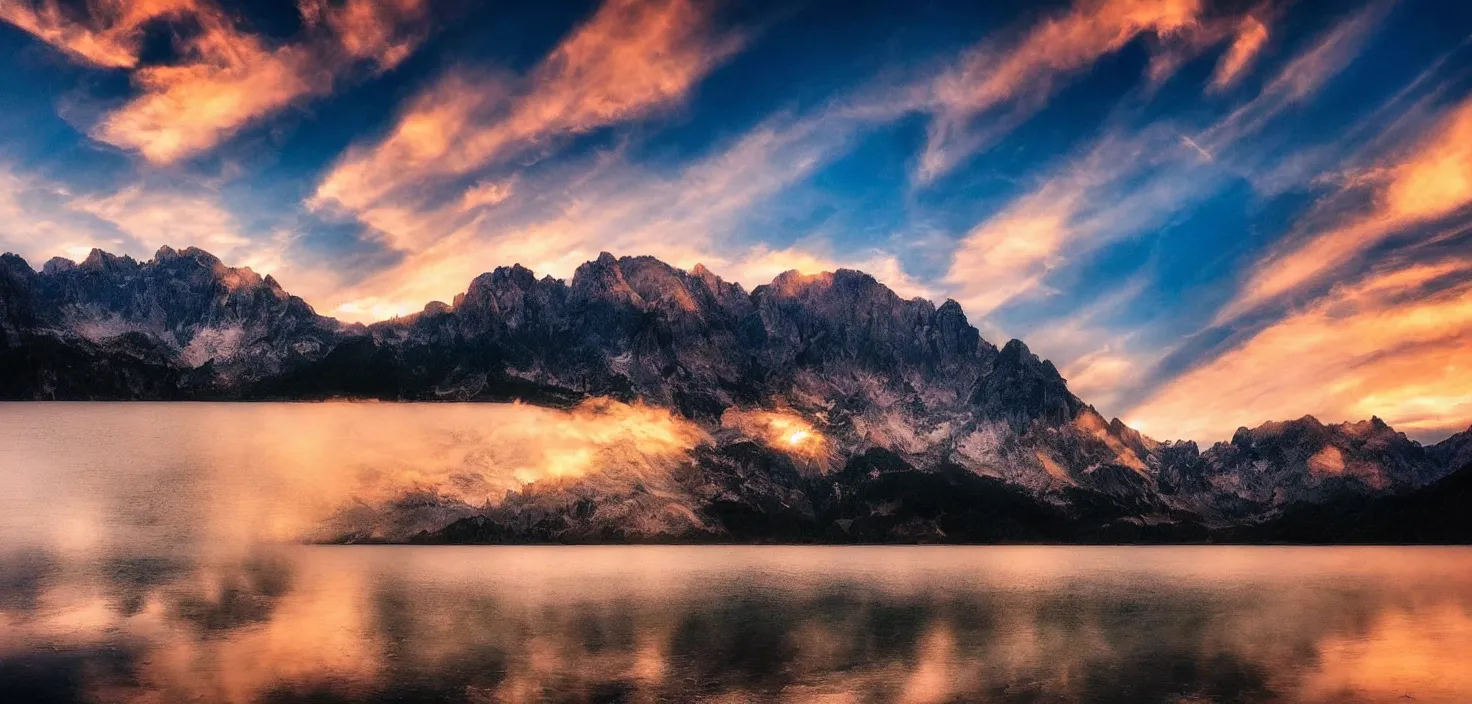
<point x="788" y="624"/>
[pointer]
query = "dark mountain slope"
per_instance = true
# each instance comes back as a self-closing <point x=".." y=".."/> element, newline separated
<point x="928" y="431"/>
<point x="1440" y="513"/>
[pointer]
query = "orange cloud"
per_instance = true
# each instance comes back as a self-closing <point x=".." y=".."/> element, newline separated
<point x="227" y="78"/>
<point x="157" y="218"/>
<point x="1430" y="182"/>
<point x="386" y="31"/>
<point x="1297" y="80"/>
<point x="1384" y="346"/>
<point x="566" y="217"/>
<point x="1251" y="37"/>
<point x="1123" y="185"/>
<point x="230" y="81"/>
<point x="1024" y="74"/>
<point x="108" y="33"/>
<point x="631" y="58"/>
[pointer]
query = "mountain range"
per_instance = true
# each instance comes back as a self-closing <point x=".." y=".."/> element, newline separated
<point x="928" y="432"/>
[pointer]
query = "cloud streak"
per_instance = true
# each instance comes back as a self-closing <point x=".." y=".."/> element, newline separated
<point x="1008" y="82"/>
<point x="559" y="220"/>
<point x="103" y="33"/>
<point x="1251" y="37"/>
<point x="1393" y="344"/>
<point x="1430" y="181"/>
<point x="225" y="79"/>
<point x="631" y="59"/>
<point x="1125" y="184"/>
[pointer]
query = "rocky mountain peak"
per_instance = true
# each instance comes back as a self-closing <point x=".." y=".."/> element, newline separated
<point x="954" y="335"/>
<point x="870" y="371"/>
<point x="1455" y="451"/>
<point x="1022" y="389"/>
<point x="1282" y="461"/>
<point x="55" y="265"/>
<point x="663" y="287"/>
<point x="602" y="281"/>
<point x="104" y="262"/>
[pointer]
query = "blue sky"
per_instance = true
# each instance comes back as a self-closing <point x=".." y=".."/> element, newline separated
<point x="1208" y="214"/>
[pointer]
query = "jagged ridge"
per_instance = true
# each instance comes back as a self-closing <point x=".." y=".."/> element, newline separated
<point x="875" y="373"/>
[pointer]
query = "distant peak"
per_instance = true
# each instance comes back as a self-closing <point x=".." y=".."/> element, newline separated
<point x="1016" y="348"/>
<point x="56" y="265"/>
<point x="792" y="281"/>
<point x="98" y="260"/>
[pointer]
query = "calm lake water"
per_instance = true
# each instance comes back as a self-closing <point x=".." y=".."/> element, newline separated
<point x="143" y="558"/>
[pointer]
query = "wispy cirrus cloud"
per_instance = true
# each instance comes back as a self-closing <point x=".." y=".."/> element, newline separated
<point x="630" y="60"/>
<point x="1298" y="80"/>
<point x="1392" y="344"/>
<point x="225" y="79"/>
<point x="1428" y="181"/>
<point x="1131" y="182"/>
<point x="43" y="218"/>
<point x="1006" y="82"/>
<point x="557" y="221"/>
<point x="105" y="33"/>
<point x="1250" y="36"/>
<point x="1123" y="185"/>
<point x="1132" y="179"/>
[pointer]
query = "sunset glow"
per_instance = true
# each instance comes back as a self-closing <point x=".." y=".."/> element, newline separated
<point x="1094" y="166"/>
<point x="784" y="431"/>
<point x="727" y="351"/>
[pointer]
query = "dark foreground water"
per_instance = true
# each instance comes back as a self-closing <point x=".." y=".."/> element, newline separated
<point x="142" y="560"/>
<point x="788" y="624"/>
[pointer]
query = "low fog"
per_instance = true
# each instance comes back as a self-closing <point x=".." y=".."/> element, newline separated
<point x="242" y="473"/>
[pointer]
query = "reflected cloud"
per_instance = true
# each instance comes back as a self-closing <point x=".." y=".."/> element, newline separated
<point x="781" y="624"/>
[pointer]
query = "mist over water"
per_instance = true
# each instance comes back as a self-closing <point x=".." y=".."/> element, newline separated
<point x="233" y="474"/>
<point x="146" y="555"/>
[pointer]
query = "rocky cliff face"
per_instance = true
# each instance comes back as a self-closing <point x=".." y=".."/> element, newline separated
<point x="180" y="325"/>
<point x="860" y="369"/>
<point x="1455" y="451"/>
<point x="1279" y="463"/>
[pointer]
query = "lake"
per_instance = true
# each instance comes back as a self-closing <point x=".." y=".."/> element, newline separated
<point x="146" y="556"/>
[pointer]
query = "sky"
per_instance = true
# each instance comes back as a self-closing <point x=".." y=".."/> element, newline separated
<point x="1207" y="214"/>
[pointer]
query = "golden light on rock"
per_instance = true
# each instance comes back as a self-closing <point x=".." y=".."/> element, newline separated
<point x="784" y="431"/>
